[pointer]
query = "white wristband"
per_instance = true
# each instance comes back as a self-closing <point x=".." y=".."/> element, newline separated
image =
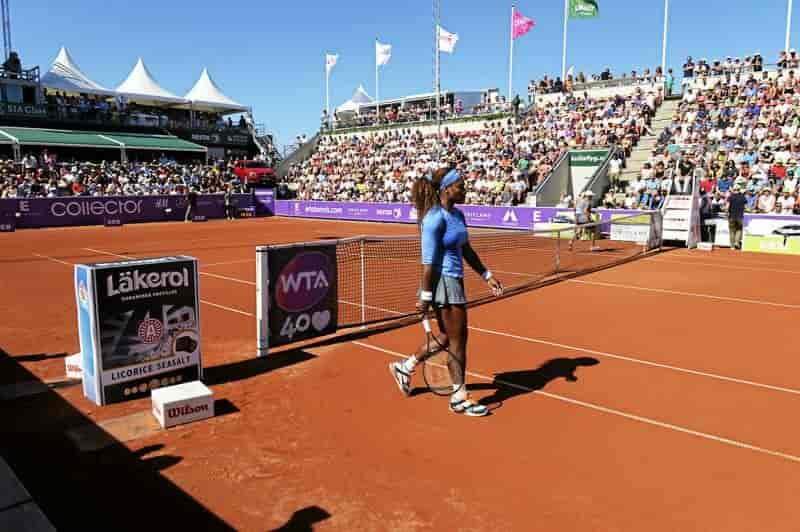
<point x="487" y="275"/>
<point x="426" y="295"/>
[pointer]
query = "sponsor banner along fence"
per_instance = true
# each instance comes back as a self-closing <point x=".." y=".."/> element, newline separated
<point x="90" y="210"/>
<point x="525" y="218"/>
<point x="772" y="233"/>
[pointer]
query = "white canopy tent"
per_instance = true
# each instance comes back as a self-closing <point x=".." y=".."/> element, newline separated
<point x="207" y="96"/>
<point x="359" y="98"/>
<point x="140" y="86"/>
<point x="64" y="75"/>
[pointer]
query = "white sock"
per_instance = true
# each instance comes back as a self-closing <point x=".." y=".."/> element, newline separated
<point x="410" y="363"/>
<point x="459" y="394"/>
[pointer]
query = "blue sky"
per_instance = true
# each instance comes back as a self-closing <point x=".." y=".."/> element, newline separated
<point x="270" y="54"/>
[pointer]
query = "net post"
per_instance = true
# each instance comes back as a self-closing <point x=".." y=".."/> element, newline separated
<point x="262" y="300"/>
<point x="363" y="285"/>
<point x="558" y="251"/>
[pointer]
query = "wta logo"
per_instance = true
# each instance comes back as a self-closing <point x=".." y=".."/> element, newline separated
<point x="304" y="281"/>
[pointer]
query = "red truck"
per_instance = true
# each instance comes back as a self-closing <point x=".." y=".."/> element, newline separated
<point x="254" y="173"/>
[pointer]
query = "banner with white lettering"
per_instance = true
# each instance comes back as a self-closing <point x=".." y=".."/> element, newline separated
<point x="147" y="325"/>
<point x="303" y="299"/>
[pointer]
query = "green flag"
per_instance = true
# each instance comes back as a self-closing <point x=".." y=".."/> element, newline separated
<point x="583" y="8"/>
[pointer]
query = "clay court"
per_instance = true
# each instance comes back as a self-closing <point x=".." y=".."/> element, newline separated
<point x="657" y="395"/>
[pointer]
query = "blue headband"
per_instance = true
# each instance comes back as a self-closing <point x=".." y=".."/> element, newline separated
<point x="451" y="177"/>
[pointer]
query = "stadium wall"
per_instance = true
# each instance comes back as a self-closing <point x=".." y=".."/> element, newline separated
<point x="90" y="210"/>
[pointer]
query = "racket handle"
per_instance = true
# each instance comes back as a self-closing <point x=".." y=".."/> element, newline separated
<point x="426" y="324"/>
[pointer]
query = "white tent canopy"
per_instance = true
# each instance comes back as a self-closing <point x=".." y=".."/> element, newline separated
<point x="64" y="75"/>
<point x="140" y="86"/>
<point x="359" y="98"/>
<point x="207" y="96"/>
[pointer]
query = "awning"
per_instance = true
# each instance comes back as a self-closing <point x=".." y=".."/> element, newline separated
<point x="87" y="139"/>
<point x="52" y="137"/>
<point x="155" y="142"/>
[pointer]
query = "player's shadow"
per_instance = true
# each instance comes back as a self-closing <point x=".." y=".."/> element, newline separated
<point x="303" y="520"/>
<point x="509" y="384"/>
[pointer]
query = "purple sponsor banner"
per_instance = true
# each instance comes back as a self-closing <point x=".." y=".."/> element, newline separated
<point x="476" y="215"/>
<point x="89" y="210"/>
<point x="264" y="201"/>
<point x="8" y="220"/>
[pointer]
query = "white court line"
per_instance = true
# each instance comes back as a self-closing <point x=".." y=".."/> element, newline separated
<point x="234" y="279"/>
<point x="620" y="413"/>
<point x="228" y="262"/>
<point x="100" y="252"/>
<point x="570" y="347"/>
<point x="689" y="294"/>
<point x="53" y="259"/>
<point x="608" y="355"/>
<point x="738" y="258"/>
<point x="231" y="309"/>
<point x="638" y="361"/>
<point x="692" y="263"/>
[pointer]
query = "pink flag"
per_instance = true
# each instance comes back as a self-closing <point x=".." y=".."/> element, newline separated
<point x="520" y="25"/>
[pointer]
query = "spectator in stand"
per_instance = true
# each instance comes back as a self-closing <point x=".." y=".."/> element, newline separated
<point x="13" y="65"/>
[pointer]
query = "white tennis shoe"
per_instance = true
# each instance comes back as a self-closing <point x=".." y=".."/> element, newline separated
<point x="401" y="377"/>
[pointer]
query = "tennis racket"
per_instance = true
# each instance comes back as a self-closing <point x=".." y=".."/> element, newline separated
<point x="440" y="367"/>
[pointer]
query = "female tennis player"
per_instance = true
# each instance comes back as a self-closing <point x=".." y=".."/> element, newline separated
<point x="445" y="245"/>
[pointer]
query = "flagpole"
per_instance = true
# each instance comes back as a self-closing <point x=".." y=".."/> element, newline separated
<point x="327" y="92"/>
<point x="511" y="55"/>
<point x="377" y="97"/>
<point x="664" y="40"/>
<point x="788" y="25"/>
<point x="437" y="11"/>
<point x="564" y="55"/>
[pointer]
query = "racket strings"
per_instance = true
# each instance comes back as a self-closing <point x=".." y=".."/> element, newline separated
<point x="442" y="371"/>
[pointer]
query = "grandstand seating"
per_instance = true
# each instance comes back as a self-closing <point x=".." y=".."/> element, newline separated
<point x="45" y="177"/>
<point x="503" y="159"/>
<point x="733" y="131"/>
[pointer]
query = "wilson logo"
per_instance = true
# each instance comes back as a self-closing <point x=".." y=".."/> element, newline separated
<point x="133" y="281"/>
<point x="304" y="281"/>
<point x="186" y="410"/>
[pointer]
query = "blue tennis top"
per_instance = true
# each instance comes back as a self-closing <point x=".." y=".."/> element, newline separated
<point x="444" y="233"/>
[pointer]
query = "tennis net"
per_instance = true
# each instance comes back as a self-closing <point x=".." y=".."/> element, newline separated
<point x="378" y="277"/>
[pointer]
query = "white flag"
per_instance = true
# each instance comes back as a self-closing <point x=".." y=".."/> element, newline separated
<point x="330" y="62"/>
<point x="383" y="52"/>
<point x="571" y="71"/>
<point x="447" y="40"/>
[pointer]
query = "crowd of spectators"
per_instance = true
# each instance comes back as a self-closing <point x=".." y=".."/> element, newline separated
<point x="118" y="110"/>
<point x="410" y="113"/>
<point x="44" y="176"/>
<point x="503" y="159"/>
<point x="740" y="134"/>
<point x="719" y="67"/>
<point x="548" y="85"/>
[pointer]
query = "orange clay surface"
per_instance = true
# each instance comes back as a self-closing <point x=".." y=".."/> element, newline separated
<point x="659" y="395"/>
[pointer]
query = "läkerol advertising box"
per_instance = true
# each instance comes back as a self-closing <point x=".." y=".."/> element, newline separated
<point x="139" y="326"/>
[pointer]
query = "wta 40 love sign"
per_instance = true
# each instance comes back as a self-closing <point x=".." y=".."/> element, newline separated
<point x="303" y="299"/>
